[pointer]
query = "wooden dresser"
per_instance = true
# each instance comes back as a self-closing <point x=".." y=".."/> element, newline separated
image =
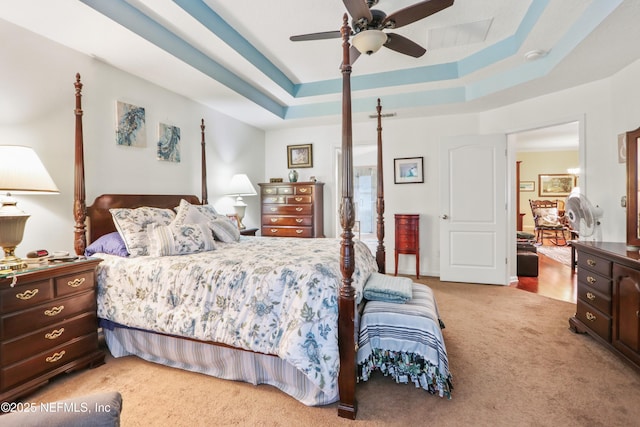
<point x="408" y="238"/>
<point x="608" y="306"/>
<point x="48" y="325"/>
<point x="292" y="209"/>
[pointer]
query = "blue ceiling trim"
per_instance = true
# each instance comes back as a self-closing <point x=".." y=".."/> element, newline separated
<point x="218" y="26"/>
<point x="131" y="18"/>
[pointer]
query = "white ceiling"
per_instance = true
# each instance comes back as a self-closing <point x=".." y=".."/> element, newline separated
<point x="236" y="56"/>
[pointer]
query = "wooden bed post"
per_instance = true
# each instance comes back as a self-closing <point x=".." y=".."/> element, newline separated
<point x="79" y="203"/>
<point x="380" y="252"/>
<point x="203" y="156"/>
<point x="347" y="406"/>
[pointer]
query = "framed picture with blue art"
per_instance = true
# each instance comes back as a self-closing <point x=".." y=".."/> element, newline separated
<point x="408" y="170"/>
<point x="131" y="129"/>
<point x="168" y="143"/>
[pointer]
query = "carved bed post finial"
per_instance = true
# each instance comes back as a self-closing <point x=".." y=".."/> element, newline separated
<point x="380" y="251"/>
<point x="203" y="156"/>
<point x="79" y="203"/>
<point x="347" y="406"/>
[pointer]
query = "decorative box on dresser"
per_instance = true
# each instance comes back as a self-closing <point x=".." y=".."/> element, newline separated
<point x="48" y="325"/>
<point x="408" y="238"/>
<point x="608" y="305"/>
<point x="292" y="209"/>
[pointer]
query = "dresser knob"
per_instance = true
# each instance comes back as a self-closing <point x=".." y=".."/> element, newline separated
<point x="299" y="220"/>
<point x="274" y="219"/>
<point x="76" y="282"/>
<point x="274" y="230"/>
<point x="591" y="280"/>
<point x="26" y="295"/>
<point x="54" y="334"/>
<point x="55" y="357"/>
<point x="54" y="311"/>
<point x="299" y="231"/>
<point x="298" y="199"/>
<point x="298" y="209"/>
<point x="302" y="190"/>
<point x="591" y="262"/>
<point x="591" y="296"/>
<point x="590" y="316"/>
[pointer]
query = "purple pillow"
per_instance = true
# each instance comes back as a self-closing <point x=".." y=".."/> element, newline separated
<point x="111" y="244"/>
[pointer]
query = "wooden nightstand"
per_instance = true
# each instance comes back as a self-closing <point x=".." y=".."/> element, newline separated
<point x="48" y="325"/>
<point x="249" y="231"/>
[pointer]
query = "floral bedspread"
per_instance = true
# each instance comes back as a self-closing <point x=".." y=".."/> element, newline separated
<point x="270" y="295"/>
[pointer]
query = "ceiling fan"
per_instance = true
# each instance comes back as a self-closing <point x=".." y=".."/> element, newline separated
<point x="367" y="25"/>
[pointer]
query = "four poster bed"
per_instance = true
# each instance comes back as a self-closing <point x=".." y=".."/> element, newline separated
<point x="291" y="324"/>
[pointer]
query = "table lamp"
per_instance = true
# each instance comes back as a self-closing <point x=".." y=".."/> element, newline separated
<point x="21" y="172"/>
<point x="240" y="186"/>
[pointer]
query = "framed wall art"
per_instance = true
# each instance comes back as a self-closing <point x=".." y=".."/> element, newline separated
<point x="554" y="185"/>
<point x="168" y="143"/>
<point x="408" y="170"/>
<point x="299" y="156"/>
<point x="131" y="129"/>
<point x="527" y="186"/>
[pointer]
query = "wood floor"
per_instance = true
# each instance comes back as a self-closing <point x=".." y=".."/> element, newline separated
<point x="555" y="280"/>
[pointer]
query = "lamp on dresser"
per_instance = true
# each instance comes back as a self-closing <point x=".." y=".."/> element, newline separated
<point x="21" y="172"/>
<point x="239" y="186"/>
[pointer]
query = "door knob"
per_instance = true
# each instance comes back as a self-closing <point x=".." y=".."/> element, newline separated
<point x="445" y="216"/>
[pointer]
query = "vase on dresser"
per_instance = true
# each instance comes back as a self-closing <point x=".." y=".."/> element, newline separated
<point x="293" y="175"/>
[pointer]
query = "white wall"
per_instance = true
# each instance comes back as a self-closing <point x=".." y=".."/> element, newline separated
<point x="605" y="108"/>
<point x="37" y="110"/>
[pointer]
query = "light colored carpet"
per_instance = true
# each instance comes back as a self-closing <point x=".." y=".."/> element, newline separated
<point x="513" y="358"/>
<point x="562" y="254"/>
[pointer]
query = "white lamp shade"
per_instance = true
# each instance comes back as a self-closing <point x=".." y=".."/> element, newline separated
<point x="22" y="172"/>
<point x="369" y="41"/>
<point x="241" y="186"/>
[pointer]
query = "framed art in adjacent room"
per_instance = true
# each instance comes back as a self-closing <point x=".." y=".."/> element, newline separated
<point x="527" y="186"/>
<point x="299" y="156"/>
<point x="556" y="185"/>
<point x="408" y="170"/>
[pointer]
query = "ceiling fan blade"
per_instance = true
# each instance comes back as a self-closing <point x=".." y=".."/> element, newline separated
<point x="415" y="12"/>
<point x="358" y="9"/>
<point x="354" y="54"/>
<point x="402" y="44"/>
<point x="316" y="36"/>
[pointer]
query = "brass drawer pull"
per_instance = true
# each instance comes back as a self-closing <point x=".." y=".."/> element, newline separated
<point x="299" y="220"/>
<point x="274" y="230"/>
<point x="591" y="296"/>
<point x="55" y="357"/>
<point x="298" y="199"/>
<point x="269" y="190"/>
<point x="298" y="209"/>
<point x="591" y="279"/>
<point x="302" y="190"/>
<point x="26" y="295"/>
<point x="274" y="209"/>
<point x="54" y="334"/>
<point x="54" y="311"/>
<point x="76" y="282"/>
<point x="591" y="262"/>
<point x="299" y="231"/>
<point x="590" y="316"/>
<point x="274" y="219"/>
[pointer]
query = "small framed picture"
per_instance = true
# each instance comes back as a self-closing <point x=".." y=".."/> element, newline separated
<point x="299" y="156"/>
<point x="553" y="185"/>
<point x="527" y="186"/>
<point x="408" y="170"/>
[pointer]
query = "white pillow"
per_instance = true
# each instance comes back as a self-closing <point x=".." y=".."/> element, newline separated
<point x="225" y="230"/>
<point x="179" y="240"/>
<point x="132" y="226"/>
<point x="221" y="226"/>
<point x="548" y="217"/>
<point x="186" y="213"/>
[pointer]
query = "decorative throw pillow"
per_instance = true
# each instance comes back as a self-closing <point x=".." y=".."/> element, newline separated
<point x="186" y="213"/>
<point x="548" y="217"/>
<point x="111" y="244"/>
<point x="225" y="230"/>
<point x="221" y="226"/>
<point x="179" y="239"/>
<point x="132" y="226"/>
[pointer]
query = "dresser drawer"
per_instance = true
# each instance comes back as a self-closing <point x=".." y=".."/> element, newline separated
<point x="277" y="190"/>
<point x="47" y="338"/>
<point x="594" y="263"/>
<point x="304" y="189"/>
<point x="596" y="281"/>
<point x="287" y="210"/>
<point x="73" y="283"/>
<point x="25" y="296"/>
<point x="299" y="199"/>
<point x="49" y="360"/>
<point x="268" y="220"/>
<point x="275" y="199"/>
<point x="287" y="231"/>
<point x="14" y="325"/>
<point x="594" y="320"/>
<point x="595" y="299"/>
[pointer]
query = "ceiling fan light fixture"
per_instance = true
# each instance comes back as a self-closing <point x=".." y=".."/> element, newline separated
<point x="369" y="41"/>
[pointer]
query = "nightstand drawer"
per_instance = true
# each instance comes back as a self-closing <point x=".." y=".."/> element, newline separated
<point x="25" y="296"/>
<point x="49" y="360"/>
<point x="46" y="338"/>
<point x="14" y="325"/>
<point x="73" y="283"/>
<point x="594" y="320"/>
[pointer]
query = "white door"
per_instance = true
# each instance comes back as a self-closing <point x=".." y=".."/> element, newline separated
<point x="473" y="218"/>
